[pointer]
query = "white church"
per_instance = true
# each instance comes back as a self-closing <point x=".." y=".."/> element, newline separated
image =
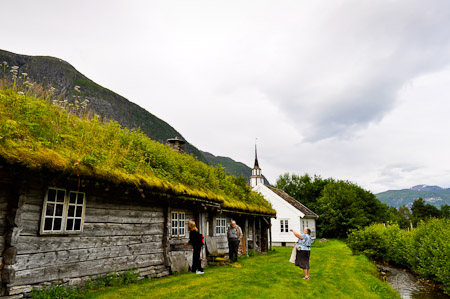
<point x="291" y="214"/>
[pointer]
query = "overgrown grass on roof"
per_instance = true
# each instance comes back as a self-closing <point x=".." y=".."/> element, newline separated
<point x="38" y="134"/>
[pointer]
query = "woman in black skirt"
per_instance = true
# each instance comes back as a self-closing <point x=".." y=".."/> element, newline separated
<point x="195" y="239"/>
<point x="303" y="250"/>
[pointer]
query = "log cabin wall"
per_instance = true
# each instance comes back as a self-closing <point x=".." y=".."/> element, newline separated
<point x="121" y="231"/>
<point x="180" y="256"/>
<point x="5" y="196"/>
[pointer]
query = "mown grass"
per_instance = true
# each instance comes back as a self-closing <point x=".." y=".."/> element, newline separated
<point x="335" y="273"/>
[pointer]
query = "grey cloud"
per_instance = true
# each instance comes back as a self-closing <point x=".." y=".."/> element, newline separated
<point x="365" y="80"/>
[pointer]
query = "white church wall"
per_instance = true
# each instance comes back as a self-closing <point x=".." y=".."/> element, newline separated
<point x="285" y="211"/>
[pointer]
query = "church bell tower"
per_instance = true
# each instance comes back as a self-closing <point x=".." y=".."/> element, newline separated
<point x="256" y="178"/>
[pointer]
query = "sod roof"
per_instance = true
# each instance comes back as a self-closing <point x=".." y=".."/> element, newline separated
<point x="59" y="137"/>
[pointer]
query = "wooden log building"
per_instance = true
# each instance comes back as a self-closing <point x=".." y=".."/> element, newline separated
<point x="65" y="226"/>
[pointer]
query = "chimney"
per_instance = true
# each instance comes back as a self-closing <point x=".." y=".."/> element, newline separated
<point x="176" y="144"/>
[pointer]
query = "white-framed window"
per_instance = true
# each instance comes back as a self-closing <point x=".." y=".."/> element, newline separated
<point x="63" y="211"/>
<point x="221" y="226"/>
<point x="305" y="224"/>
<point x="284" y="225"/>
<point x="178" y="224"/>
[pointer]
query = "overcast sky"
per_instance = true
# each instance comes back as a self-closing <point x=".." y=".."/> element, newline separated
<point x="354" y="90"/>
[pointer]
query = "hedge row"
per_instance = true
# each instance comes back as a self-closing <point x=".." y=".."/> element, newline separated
<point x="425" y="250"/>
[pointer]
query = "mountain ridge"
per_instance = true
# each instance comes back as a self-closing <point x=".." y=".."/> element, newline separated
<point x="434" y="195"/>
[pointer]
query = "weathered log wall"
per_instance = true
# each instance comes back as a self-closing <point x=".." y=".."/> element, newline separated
<point x="180" y="256"/>
<point x="121" y="231"/>
<point x="3" y="222"/>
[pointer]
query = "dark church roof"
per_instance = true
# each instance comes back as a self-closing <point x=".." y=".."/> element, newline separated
<point x="302" y="208"/>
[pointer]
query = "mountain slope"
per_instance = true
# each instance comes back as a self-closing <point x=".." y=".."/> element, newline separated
<point x="54" y="72"/>
<point x="433" y="195"/>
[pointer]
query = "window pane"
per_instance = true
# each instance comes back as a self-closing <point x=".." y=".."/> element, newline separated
<point x="69" y="225"/>
<point x="51" y="194"/>
<point x="77" y="224"/>
<point x="286" y="226"/>
<point x="79" y="211"/>
<point x="61" y="195"/>
<point x="71" y="212"/>
<point x="73" y="197"/>
<point x="57" y="224"/>
<point x="80" y="198"/>
<point x="59" y="210"/>
<point x="50" y="209"/>
<point x="48" y="224"/>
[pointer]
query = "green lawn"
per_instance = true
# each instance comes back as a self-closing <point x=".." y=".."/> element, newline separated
<point x="335" y="273"/>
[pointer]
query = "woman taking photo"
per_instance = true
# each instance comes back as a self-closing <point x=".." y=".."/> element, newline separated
<point x="195" y="239"/>
<point x="303" y="250"/>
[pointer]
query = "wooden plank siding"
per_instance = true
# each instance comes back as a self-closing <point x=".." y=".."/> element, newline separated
<point x="3" y="223"/>
<point x="120" y="232"/>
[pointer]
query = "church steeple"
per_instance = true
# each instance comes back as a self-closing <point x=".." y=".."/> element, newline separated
<point x="256" y="158"/>
<point x="256" y="177"/>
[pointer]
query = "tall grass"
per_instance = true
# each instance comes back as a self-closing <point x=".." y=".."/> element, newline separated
<point x="335" y="273"/>
<point x="41" y="135"/>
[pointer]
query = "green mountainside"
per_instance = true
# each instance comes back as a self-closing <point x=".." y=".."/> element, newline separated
<point x="54" y="72"/>
<point x="397" y="198"/>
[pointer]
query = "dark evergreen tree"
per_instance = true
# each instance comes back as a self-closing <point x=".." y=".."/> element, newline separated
<point x="421" y="211"/>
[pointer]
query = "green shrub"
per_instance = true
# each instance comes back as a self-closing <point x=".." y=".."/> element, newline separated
<point x="106" y="280"/>
<point x="58" y="291"/>
<point x="425" y="250"/>
<point x="429" y="251"/>
<point x="251" y="252"/>
<point x="381" y="243"/>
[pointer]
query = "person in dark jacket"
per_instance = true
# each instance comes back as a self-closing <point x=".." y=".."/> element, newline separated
<point x="195" y="239"/>
<point x="234" y="235"/>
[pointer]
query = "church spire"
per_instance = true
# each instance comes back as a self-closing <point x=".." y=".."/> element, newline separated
<point x="256" y="158"/>
<point x="256" y="177"/>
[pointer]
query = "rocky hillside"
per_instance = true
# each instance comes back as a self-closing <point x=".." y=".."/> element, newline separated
<point x="433" y="195"/>
<point x="54" y="72"/>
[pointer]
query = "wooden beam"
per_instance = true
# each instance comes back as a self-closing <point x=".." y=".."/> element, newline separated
<point x="254" y="233"/>
<point x="260" y="234"/>
<point x="166" y="234"/>
<point x="270" y="235"/>
<point x="246" y="235"/>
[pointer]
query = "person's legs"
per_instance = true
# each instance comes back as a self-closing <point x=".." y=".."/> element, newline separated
<point x="196" y="264"/>
<point x="232" y="250"/>
<point x="306" y="271"/>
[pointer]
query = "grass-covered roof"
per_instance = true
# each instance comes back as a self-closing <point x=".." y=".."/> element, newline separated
<point x="39" y="135"/>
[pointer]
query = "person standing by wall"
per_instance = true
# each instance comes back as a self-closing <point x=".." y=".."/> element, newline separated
<point x="234" y="235"/>
<point x="195" y="239"/>
<point x="303" y="250"/>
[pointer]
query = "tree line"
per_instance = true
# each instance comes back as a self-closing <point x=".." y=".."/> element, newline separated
<point x="343" y="206"/>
